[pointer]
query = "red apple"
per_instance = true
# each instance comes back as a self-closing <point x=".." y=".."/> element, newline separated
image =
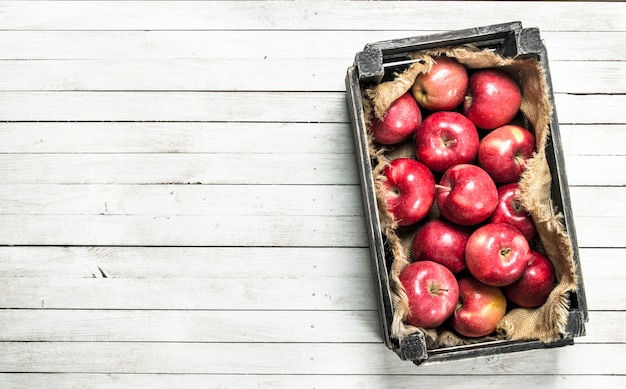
<point x="497" y="254"/>
<point x="399" y="122"/>
<point x="466" y="195"/>
<point x="504" y="151"/>
<point x="479" y="309"/>
<point x="443" y="87"/>
<point x="536" y="283"/>
<point x="443" y="242"/>
<point x="445" y="139"/>
<point x="511" y="211"/>
<point x="432" y="293"/>
<point x="410" y="190"/>
<point x="493" y="98"/>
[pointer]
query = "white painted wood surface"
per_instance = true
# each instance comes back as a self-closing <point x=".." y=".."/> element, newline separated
<point x="180" y="204"/>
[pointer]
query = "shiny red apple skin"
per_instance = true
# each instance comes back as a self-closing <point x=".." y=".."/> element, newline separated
<point x="443" y="242"/>
<point x="479" y="309"/>
<point x="443" y="88"/>
<point x="432" y="292"/>
<point x="493" y="98"/>
<point x="399" y="123"/>
<point x="511" y="211"/>
<point x="504" y="151"/>
<point x="410" y="190"/>
<point x="445" y="139"/>
<point x="497" y="254"/>
<point x="466" y="195"/>
<point x="536" y="283"/>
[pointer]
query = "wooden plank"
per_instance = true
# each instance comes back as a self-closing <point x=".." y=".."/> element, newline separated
<point x="598" y="231"/>
<point x="291" y="358"/>
<point x="197" y="262"/>
<point x="593" y="139"/>
<point x="596" y="261"/>
<point x="157" y="230"/>
<point x="46" y="325"/>
<point x="239" y="106"/>
<point x="179" y="169"/>
<point x="310" y="293"/>
<point x="124" y="137"/>
<point x="597" y="288"/>
<point x="189" y="45"/>
<point x="234" y="169"/>
<point x="217" y="74"/>
<point x="262" y="200"/>
<point x="174" y="106"/>
<point x="282" y="381"/>
<point x="269" y="45"/>
<point x="224" y="262"/>
<point x="189" y="326"/>
<point x="233" y="230"/>
<point x="597" y="201"/>
<point x="236" y="137"/>
<point x="585" y="170"/>
<point x="579" y="46"/>
<point x="571" y="109"/>
<point x="218" y="230"/>
<point x="575" y="76"/>
<point x="306" y="293"/>
<point x="214" y="74"/>
<point x="258" y="15"/>
<point x="604" y="327"/>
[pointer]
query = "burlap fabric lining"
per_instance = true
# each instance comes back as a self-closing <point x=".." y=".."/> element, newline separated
<point x="546" y="323"/>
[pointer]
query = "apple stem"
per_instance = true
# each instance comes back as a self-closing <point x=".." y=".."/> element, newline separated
<point x="435" y="289"/>
<point x="443" y="187"/>
<point x="450" y="142"/>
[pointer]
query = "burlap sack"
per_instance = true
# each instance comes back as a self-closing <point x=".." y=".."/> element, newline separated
<point x="546" y="323"/>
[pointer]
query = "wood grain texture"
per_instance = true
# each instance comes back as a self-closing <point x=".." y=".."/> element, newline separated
<point x="85" y="325"/>
<point x="157" y="230"/>
<point x="565" y="45"/>
<point x="179" y="169"/>
<point x="304" y="15"/>
<point x="262" y="200"/>
<point x="317" y="74"/>
<point x="196" y="262"/>
<point x="180" y="205"/>
<point x="282" y="381"/>
<point x="239" y="138"/>
<point x="265" y="294"/>
<point x="174" y="106"/>
<point x="311" y="293"/>
<point x="171" y="200"/>
<point x="234" y="169"/>
<point x="316" y="358"/>
<point x="239" y="106"/>
<point x="225" y="262"/>
<point x="188" y="138"/>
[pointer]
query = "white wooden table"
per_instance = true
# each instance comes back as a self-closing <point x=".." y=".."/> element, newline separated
<point x="180" y="206"/>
